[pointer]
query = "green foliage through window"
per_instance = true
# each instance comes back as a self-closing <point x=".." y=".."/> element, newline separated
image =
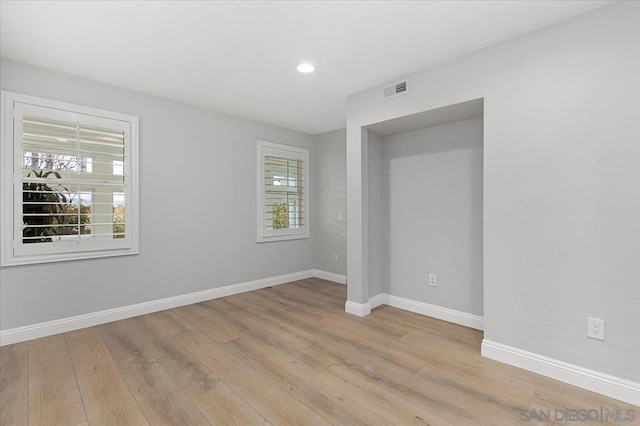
<point x="280" y="216"/>
<point x="118" y="222"/>
<point x="48" y="212"/>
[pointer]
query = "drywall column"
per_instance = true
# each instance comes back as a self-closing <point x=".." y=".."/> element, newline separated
<point x="357" y="227"/>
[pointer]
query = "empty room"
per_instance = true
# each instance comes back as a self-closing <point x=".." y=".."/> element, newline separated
<point x="319" y="212"/>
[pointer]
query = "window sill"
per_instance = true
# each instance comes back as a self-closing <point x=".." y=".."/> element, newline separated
<point x="49" y="258"/>
<point x="267" y="239"/>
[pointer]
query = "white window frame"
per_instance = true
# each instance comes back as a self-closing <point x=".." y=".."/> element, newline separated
<point x="12" y="250"/>
<point x="266" y="148"/>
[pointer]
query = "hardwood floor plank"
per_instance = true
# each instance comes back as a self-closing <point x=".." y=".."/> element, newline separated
<point x="54" y="396"/>
<point x="384" y="327"/>
<point x="293" y="298"/>
<point x="310" y="313"/>
<point x="105" y="394"/>
<point x="267" y="322"/>
<point x="79" y="334"/>
<point x="349" y="348"/>
<point x="469" y="339"/>
<point x="336" y="291"/>
<point x="49" y="355"/>
<point x="385" y="404"/>
<point x="267" y="297"/>
<point x="119" y="410"/>
<point x="280" y="300"/>
<point x="191" y="375"/>
<point x="501" y="388"/>
<point x="222" y="406"/>
<point x="501" y="409"/>
<point x="336" y="408"/>
<point x="439" y="405"/>
<point x="373" y="341"/>
<point x="296" y="337"/>
<point x="170" y="321"/>
<point x="14" y="385"/>
<point x="217" y="326"/>
<point x="429" y="343"/>
<point x="309" y="298"/>
<point x="308" y="362"/>
<point x="162" y="402"/>
<point x="129" y="355"/>
<point x="244" y="301"/>
<point x="275" y="405"/>
<point x="98" y="377"/>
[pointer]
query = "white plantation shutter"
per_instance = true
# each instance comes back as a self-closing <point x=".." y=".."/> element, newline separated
<point x="76" y="163"/>
<point x="73" y="183"/>
<point x="282" y="192"/>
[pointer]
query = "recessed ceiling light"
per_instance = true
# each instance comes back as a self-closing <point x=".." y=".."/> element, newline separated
<point x="305" y="68"/>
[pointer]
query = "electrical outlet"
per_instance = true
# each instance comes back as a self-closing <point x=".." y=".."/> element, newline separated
<point x="432" y="280"/>
<point x="334" y="257"/>
<point x="595" y="328"/>
<point x="340" y="216"/>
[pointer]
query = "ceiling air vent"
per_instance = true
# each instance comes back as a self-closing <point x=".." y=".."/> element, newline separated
<point x="396" y="89"/>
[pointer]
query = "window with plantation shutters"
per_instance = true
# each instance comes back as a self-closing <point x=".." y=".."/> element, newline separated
<point x="283" y="196"/>
<point x="69" y="177"/>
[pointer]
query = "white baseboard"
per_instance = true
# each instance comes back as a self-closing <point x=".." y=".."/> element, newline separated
<point x="614" y="387"/>
<point x="446" y="314"/>
<point x="331" y="276"/>
<point x="35" y="331"/>
<point x="358" y="309"/>
<point x="378" y="300"/>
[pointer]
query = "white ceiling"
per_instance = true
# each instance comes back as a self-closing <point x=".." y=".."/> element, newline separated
<point x="241" y="57"/>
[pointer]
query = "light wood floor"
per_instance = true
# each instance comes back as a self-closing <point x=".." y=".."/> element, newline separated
<point x="284" y="355"/>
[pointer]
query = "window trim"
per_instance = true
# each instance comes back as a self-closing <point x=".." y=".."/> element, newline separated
<point x="7" y="176"/>
<point x="270" y="148"/>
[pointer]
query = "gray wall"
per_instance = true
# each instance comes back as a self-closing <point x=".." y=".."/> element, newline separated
<point x="434" y="214"/>
<point x="197" y="208"/>
<point x="330" y="201"/>
<point x="561" y="202"/>
<point x="378" y="206"/>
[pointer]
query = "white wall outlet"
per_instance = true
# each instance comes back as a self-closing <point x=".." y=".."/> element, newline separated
<point x="595" y="328"/>
<point x="432" y="280"/>
<point x="334" y="257"/>
<point x="340" y="216"/>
